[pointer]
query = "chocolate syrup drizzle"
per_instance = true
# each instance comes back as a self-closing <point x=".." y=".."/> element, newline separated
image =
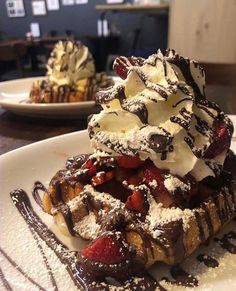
<point x="19" y="269"/>
<point x="4" y="281"/>
<point x="182" y="277"/>
<point x="190" y="88"/>
<point x="208" y="261"/>
<point x="225" y="242"/>
<point x="53" y="92"/>
<point x="38" y="186"/>
<point x="77" y="272"/>
<point x="184" y="65"/>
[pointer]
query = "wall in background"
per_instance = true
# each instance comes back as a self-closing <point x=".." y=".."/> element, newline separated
<point x="81" y="20"/>
<point x="204" y="30"/>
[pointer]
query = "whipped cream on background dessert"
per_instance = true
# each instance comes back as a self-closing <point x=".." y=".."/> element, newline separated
<point x="160" y="112"/>
<point x="70" y="61"/>
<point x="71" y="76"/>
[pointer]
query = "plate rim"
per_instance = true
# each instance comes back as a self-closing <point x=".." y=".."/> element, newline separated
<point x="38" y="143"/>
<point x="58" y="110"/>
<point x="61" y="138"/>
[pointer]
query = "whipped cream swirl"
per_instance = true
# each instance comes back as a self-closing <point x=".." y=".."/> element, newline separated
<point x="160" y="112"/>
<point x="70" y="61"/>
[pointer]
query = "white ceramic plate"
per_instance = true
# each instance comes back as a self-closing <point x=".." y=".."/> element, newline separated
<point x="40" y="161"/>
<point x="14" y="95"/>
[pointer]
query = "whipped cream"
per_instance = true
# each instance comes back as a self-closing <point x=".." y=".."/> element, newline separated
<point x="70" y="61"/>
<point x="160" y="112"/>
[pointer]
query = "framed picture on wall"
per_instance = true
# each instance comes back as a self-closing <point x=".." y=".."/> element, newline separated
<point x="39" y="7"/>
<point x="114" y="1"/>
<point x="81" y="1"/>
<point x="53" y="4"/>
<point x="15" y="8"/>
<point x="68" y="2"/>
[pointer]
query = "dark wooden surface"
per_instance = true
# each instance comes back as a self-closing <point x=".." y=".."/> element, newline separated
<point x="17" y="131"/>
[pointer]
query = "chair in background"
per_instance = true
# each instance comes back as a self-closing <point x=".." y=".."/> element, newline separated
<point x="13" y="52"/>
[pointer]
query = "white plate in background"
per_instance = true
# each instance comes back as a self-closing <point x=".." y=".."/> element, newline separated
<point x="40" y="161"/>
<point x="15" y="93"/>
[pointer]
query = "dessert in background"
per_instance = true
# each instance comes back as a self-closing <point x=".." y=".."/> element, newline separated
<point x="155" y="187"/>
<point x="71" y="76"/>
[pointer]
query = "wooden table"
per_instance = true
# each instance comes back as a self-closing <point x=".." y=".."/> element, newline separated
<point x="17" y="131"/>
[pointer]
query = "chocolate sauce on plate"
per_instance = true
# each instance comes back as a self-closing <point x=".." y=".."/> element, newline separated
<point x="225" y="242"/>
<point x="4" y="281"/>
<point x="208" y="261"/>
<point x="19" y="269"/>
<point x="78" y="274"/>
<point x="182" y="277"/>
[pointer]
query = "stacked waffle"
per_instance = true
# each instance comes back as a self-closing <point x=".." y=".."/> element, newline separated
<point x="155" y="187"/>
<point x="71" y="76"/>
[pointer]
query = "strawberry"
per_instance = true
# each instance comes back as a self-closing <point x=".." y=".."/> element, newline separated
<point x="92" y="169"/>
<point x="102" y="177"/>
<point x="129" y="162"/>
<point x="151" y="172"/>
<point x="160" y="193"/>
<point x="106" y="250"/>
<point x="137" y="202"/>
<point x="134" y="180"/>
<point x="180" y="198"/>
<point x="122" y="65"/>
<point x="115" y="188"/>
<point x="221" y="139"/>
<point x="110" y="256"/>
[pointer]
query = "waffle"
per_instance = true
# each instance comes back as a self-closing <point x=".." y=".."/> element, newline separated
<point x="157" y="234"/>
<point x="85" y="89"/>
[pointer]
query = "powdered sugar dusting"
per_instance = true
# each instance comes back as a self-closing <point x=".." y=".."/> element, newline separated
<point x="159" y="216"/>
<point x="87" y="227"/>
<point x="172" y="183"/>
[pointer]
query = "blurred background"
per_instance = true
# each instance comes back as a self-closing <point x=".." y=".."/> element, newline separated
<point x="203" y="30"/>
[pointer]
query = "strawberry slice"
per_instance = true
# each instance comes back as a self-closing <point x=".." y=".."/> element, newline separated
<point x="137" y="202"/>
<point x="122" y="65"/>
<point x="129" y="162"/>
<point x="92" y="169"/>
<point x="111" y="256"/>
<point x="178" y="197"/>
<point x="102" y="177"/>
<point x="106" y="249"/>
<point x="151" y="172"/>
<point x="154" y="175"/>
<point x="221" y="139"/>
